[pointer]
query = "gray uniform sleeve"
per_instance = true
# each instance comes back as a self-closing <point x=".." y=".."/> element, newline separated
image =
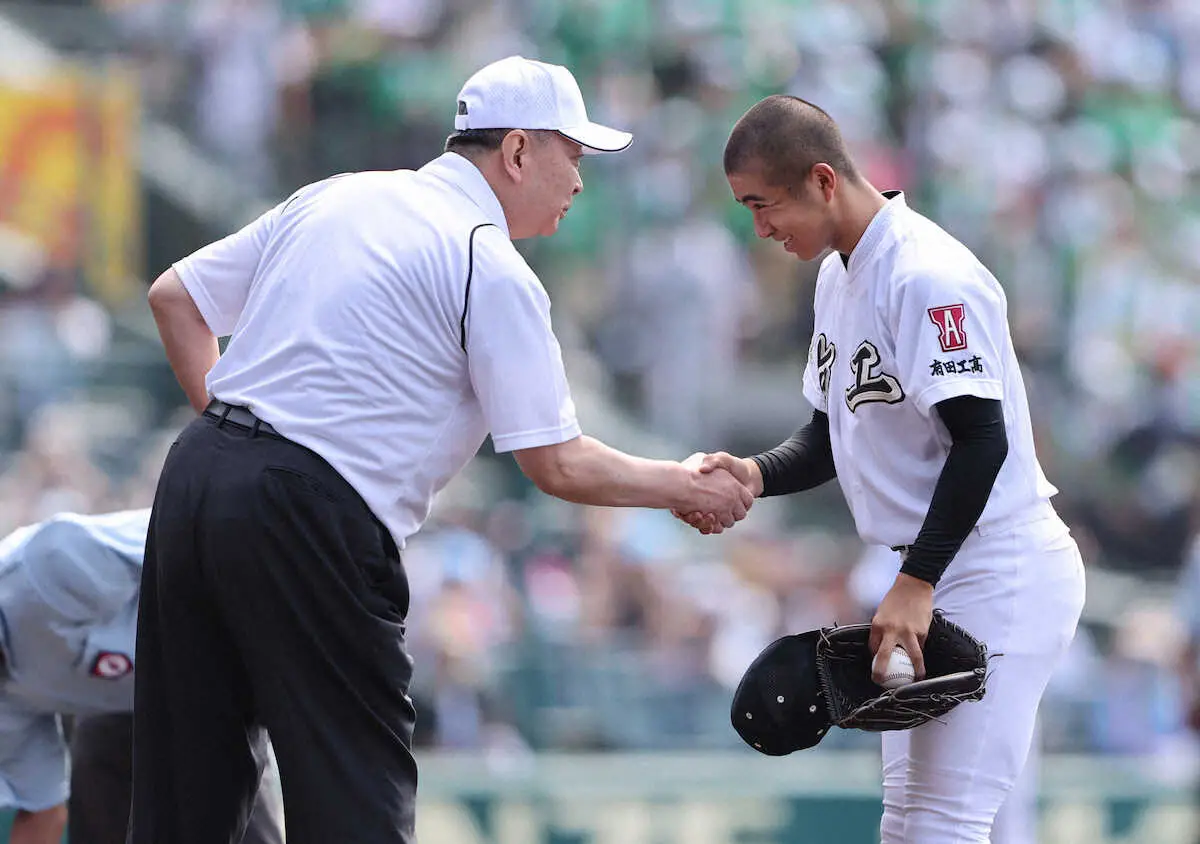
<point x="34" y="764"/>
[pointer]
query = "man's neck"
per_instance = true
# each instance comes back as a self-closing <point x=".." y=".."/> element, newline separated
<point x="490" y="168"/>
<point x="860" y="204"/>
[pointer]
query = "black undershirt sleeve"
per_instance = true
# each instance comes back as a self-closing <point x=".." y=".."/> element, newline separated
<point x="979" y="445"/>
<point x="802" y="461"/>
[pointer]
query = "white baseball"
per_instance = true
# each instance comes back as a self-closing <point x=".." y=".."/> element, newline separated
<point x="899" y="671"/>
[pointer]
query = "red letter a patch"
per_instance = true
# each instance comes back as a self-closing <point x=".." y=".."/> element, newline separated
<point x="949" y="322"/>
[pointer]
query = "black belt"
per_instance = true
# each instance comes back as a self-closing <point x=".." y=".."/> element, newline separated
<point x="233" y="414"/>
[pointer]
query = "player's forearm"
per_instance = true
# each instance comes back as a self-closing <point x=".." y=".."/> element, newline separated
<point x="803" y="461"/>
<point x="978" y="451"/>
<point x="44" y="827"/>
<point x="586" y="471"/>
<point x="191" y="348"/>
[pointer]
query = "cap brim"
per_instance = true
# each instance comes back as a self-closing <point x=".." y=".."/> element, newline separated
<point x="597" y="138"/>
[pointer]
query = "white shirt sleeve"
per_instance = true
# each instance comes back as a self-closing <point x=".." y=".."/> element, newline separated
<point x="951" y="332"/>
<point x="218" y="276"/>
<point x="514" y="358"/>
<point x="820" y="351"/>
<point x="34" y="766"/>
<point x="812" y="379"/>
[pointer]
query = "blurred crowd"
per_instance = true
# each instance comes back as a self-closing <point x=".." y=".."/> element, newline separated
<point x="1060" y="140"/>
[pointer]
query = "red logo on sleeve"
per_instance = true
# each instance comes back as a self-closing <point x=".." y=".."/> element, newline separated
<point x="949" y="322"/>
<point x="110" y="665"/>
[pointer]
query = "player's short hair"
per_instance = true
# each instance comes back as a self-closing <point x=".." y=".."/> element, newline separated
<point x="786" y="136"/>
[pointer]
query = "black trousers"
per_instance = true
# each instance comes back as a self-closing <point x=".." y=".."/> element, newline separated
<point x="271" y="598"/>
<point x="102" y="779"/>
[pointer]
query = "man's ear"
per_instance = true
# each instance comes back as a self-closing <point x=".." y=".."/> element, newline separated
<point x="513" y="150"/>
<point x="825" y="178"/>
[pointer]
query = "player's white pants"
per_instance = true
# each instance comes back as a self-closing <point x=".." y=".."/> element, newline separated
<point x="1017" y="820"/>
<point x="1020" y="589"/>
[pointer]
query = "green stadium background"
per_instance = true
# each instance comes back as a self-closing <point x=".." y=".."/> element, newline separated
<point x="574" y="666"/>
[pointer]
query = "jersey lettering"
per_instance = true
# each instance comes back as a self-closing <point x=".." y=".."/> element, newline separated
<point x="826" y="354"/>
<point x="869" y="385"/>
<point x="949" y="322"/>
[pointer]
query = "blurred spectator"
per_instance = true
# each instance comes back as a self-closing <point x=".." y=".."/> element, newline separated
<point x="236" y="46"/>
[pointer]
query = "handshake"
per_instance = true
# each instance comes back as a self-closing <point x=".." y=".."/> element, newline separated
<point x="721" y="491"/>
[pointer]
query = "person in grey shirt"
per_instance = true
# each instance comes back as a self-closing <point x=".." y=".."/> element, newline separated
<point x="68" y="617"/>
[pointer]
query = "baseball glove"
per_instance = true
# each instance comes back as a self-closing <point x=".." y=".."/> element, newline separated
<point x="955" y="671"/>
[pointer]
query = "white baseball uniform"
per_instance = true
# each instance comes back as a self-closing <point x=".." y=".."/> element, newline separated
<point x="911" y="319"/>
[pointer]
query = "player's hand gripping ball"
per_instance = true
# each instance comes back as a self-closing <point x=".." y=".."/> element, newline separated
<point x="803" y="684"/>
<point x="955" y="671"/>
<point x="899" y="670"/>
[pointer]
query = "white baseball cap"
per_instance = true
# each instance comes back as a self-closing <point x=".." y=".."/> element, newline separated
<point x="520" y="93"/>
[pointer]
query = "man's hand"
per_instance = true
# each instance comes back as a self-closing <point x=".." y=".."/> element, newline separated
<point x="744" y="469"/>
<point x="902" y="619"/>
<point x="720" y="495"/>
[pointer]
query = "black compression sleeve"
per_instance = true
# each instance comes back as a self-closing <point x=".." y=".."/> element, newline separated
<point x="802" y="461"/>
<point x="979" y="446"/>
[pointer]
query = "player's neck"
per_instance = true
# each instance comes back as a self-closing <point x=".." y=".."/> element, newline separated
<point x="859" y="205"/>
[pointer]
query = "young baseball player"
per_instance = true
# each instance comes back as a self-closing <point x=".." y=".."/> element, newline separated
<point x="68" y="613"/>
<point x="920" y="412"/>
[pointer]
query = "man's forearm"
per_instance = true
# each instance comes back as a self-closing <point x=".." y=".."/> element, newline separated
<point x="191" y="357"/>
<point x="44" y="827"/>
<point x="586" y="471"/>
<point x="191" y="348"/>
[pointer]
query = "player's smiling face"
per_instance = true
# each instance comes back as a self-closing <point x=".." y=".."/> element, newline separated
<point x="800" y="218"/>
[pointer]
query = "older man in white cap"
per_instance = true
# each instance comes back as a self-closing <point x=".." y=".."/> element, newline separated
<point x="382" y="325"/>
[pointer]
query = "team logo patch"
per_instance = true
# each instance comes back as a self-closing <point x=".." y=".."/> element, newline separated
<point x="110" y="665"/>
<point x="870" y="383"/>
<point x="949" y="321"/>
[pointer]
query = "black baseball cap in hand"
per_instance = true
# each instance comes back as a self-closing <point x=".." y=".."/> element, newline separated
<point x="778" y="707"/>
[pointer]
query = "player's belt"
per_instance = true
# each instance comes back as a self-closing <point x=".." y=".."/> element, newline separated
<point x="233" y="414"/>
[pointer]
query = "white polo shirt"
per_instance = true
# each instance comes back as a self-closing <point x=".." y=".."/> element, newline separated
<point x="914" y="319"/>
<point x="386" y="321"/>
